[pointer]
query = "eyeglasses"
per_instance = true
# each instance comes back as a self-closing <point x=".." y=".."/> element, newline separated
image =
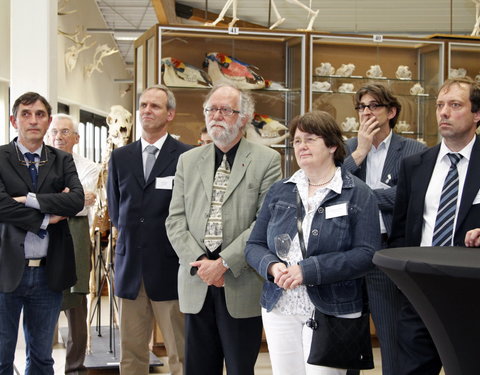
<point x="297" y="142"/>
<point x="65" y="132"/>
<point x="22" y="161"/>
<point x="225" y="111"/>
<point x="372" y="107"/>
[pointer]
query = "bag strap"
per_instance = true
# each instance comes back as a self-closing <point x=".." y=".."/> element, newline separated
<point x="299" y="225"/>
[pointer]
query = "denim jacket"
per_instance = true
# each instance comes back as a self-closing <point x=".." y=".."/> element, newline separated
<point x="339" y="250"/>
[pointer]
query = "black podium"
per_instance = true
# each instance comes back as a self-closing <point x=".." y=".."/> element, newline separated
<point x="443" y="284"/>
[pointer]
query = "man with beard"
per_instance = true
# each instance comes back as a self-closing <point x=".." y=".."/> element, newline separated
<point x="218" y="190"/>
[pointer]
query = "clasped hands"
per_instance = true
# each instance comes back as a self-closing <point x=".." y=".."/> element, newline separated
<point x="286" y="277"/>
<point x="210" y="271"/>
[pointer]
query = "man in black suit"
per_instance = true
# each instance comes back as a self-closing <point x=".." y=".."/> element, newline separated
<point x="421" y="196"/>
<point x="146" y="266"/>
<point x="39" y="188"/>
<point x="374" y="156"/>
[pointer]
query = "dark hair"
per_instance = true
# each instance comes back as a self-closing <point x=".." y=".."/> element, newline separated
<point x="383" y="95"/>
<point x="324" y="125"/>
<point x="474" y="91"/>
<point x="204" y="130"/>
<point x="30" y="98"/>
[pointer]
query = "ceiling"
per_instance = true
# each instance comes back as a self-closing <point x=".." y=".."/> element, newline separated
<point x="130" y="18"/>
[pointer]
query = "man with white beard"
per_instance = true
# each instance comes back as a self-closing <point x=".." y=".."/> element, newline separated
<point x="218" y="190"/>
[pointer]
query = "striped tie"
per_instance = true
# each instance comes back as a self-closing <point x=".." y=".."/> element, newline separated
<point x="443" y="232"/>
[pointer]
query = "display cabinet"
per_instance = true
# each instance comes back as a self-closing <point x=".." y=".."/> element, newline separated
<point x="278" y="57"/>
<point x="463" y="58"/>
<point x="412" y="68"/>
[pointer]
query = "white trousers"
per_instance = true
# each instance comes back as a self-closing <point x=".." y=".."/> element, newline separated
<point x="289" y="342"/>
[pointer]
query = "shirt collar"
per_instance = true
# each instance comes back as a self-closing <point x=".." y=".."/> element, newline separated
<point x="465" y="152"/>
<point x="158" y="144"/>
<point x="300" y="178"/>
<point x="386" y="142"/>
<point x="23" y="149"/>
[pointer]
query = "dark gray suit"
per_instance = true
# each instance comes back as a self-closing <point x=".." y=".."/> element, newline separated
<point x="417" y="352"/>
<point x="383" y="295"/>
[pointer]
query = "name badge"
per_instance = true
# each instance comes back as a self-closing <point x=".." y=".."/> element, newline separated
<point x="164" y="183"/>
<point x="336" y="211"/>
<point x="477" y="198"/>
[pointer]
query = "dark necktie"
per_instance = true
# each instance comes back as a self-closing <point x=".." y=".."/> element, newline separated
<point x="34" y="175"/>
<point x="32" y="169"/>
<point x="443" y="232"/>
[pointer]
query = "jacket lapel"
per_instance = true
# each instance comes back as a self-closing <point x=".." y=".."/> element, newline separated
<point x="15" y="158"/>
<point x="393" y="155"/>
<point x="43" y="170"/>
<point x="164" y="159"/>
<point x="205" y="170"/>
<point x="242" y="161"/>
<point x="137" y="162"/>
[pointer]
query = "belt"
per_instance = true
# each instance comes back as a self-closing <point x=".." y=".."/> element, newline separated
<point x="384" y="238"/>
<point x="35" y="262"/>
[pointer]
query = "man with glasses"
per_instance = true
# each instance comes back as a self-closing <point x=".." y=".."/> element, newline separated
<point x="374" y="157"/>
<point x="63" y="134"/>
<point x="219" y="188"/>
<point x="39" y="189"/>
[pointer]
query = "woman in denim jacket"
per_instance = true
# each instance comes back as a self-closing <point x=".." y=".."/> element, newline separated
<point x="341" y="233"/>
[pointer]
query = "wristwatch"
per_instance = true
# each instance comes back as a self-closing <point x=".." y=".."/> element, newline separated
<point x="225" y="263"/>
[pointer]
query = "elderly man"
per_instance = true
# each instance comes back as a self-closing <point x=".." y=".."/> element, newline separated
<point x="39" y="188"/>
<point x="218" y="190"/>
<point x="63" y="134"/>
<point x="437" y="204"/>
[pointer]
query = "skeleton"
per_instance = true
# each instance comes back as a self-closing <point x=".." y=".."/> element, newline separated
<point x="266" y="131"/>
<point x="100" y="53"/>
<point x="61" y="8"/>
<point x="476" y="28"/>
<point x="71" y="56"/>
<point x="119" y="123"/>
<point x="312" y="14"/>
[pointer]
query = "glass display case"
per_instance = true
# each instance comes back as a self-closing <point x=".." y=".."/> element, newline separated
<point x="412" y="68"/>
<point x="271" y="64"/>
<point x="463" y="58"/>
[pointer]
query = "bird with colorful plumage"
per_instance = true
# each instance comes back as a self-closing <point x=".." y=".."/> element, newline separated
<point x="177" y="73"/>
<point x="265" y="130"/>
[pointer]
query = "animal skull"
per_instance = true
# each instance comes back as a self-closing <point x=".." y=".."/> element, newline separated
<point x="119" y="122"/>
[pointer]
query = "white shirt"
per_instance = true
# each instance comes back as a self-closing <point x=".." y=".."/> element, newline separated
<point x="434" y="191"/>
<point x="158" y="144"/>
<point x="88" y="175"/>
<point x="375" y="163"/>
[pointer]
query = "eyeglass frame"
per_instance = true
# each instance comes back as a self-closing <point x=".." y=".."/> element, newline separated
<point x="297" y="142"/>
<point x="29" y="163"/>
<point x="63" y="132"/>
<point x="371" y="107"/>
<point x="212" y="110"/>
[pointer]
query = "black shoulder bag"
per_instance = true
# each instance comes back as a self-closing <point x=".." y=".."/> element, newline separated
<point x="338" y="342"/>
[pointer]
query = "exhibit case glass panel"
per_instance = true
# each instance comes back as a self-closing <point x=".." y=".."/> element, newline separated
<point x="412" y="68"/>
<point x="463" y="59"/>
<point x="270" y="64"/>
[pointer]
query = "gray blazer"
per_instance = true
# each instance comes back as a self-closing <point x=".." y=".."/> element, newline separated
<point x="400" y="147"/>
<point x="255" y="169"/>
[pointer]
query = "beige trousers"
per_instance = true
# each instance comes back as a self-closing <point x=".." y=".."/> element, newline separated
<point x="136" y="327"/>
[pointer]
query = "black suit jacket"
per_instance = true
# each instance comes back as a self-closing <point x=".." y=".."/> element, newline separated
<point x="139" y="210"/>
<point x="400" y="148"/>
<point x="415" y="174"/>
<point x="16" y="219"/>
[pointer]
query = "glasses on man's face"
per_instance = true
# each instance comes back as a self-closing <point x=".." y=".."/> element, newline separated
<point x="297" y="142"/>
<point x="64" y="132"/>
<point x="225" y="111"/>
<point x="371" y="107"/>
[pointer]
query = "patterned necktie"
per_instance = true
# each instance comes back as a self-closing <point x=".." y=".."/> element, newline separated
<point x="443" y="232"/>
<point x="151" y="151"/>
<point x="214" y="232"/>
<point x="34" y="175"/>
<point x="32" y="169"/>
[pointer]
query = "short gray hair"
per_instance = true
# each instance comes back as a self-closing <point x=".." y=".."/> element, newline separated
<point x="247" y="103"/>
<point x="64" y="116"/>
<point x="171" y="102"/>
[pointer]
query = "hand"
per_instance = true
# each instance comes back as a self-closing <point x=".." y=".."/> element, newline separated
<point x="90" y="198"/>
<point x="366" y="132"/>
<point x="22" y="199"/>
<point x="292" y="278"/>
<point x="277" y="270"/>
<point x="210" y="271"/>
<point x="66" y="190"/>
<point x="54" y="219"/>
<point x="472" y="238"/>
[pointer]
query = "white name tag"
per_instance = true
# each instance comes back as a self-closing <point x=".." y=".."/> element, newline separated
<point x="336" y="211"/>
<point x="477" y="198"/>
<point x="165" y="183"/>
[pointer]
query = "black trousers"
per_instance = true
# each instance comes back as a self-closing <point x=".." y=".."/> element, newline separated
<point x="213" y="336"/>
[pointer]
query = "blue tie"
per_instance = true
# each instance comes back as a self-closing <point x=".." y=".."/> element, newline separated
<point x="32" y="169"/>
<point x="443" y="231"/>
<point x="34" y="175"/>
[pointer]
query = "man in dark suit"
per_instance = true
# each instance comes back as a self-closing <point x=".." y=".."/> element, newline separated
<point x="420" y="197"/>
<point x="39" y="188"/>
<point x="140" y="182"/>
<point x="219" y="189"/>
<point x="374" y="156"/>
